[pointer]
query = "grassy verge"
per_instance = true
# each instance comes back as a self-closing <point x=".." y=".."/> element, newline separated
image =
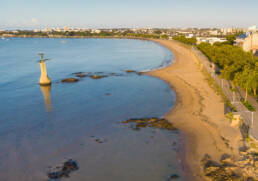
<point x="248" y="105"/>
<point x="218" y="90"/>
<point x="230" y="116"/>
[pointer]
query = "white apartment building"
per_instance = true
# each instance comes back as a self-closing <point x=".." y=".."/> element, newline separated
<point x="210" y="40"/>
<point x="251" y="43"/>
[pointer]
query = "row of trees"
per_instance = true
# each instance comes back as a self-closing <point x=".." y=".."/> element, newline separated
<point x="192" y="41"/>
<point x="154" y="36"/>
<point x="183" y="39"/>
<point x="235" y="64"/>
<point x="28" y="33"/>
<point x="127" y="33"/>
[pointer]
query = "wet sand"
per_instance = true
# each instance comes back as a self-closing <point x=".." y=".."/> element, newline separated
<point x="198" y="112"/>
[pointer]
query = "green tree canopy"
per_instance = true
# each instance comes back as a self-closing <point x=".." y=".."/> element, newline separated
<point x="235" y="64"/>
<point x="183" y="39"/>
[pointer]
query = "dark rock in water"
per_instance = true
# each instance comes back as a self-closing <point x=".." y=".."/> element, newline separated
<point x="173" y="176"/>
<point x="133" y="71"/>
<point x="70" y="165"/>
<point x="130" y="71"/>
<point x="98" y="140"/>
<point x="114" y="74"/>
<point x="95" y="75"/>
<point x="150" y="122"/>
<point x="70" y="80"/>
<point x="56" y="175"/>
<point x="63" y="171"/>
<point x="107" y="94"/>
<point x="80" y="74"/>
<point x="98" y="76"/>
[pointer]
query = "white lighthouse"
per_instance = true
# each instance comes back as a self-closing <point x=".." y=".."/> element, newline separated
<point x="44" y="79"/>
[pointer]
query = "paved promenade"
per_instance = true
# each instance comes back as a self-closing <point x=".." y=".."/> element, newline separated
<point x="250" y="118"/>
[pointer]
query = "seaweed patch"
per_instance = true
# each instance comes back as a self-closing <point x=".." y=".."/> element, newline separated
<point x="150" y="122"/>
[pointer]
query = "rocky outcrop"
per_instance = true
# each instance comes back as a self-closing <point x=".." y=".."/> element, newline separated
<point x="229" y="169"/>
<point x="133" y="71"/>
<point x="130" y="71"/>
<point x="70" y="80"/>
<point x="98" y="76"/>
<point x="64" y="170"/>
<point x="150" y="122"/>
<point x="92" y="75"/>
<point x="95" y="75"/>
<point x="80" y="74"/>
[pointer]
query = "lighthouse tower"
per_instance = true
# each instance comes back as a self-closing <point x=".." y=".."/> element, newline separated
<point x="44" y="79"/>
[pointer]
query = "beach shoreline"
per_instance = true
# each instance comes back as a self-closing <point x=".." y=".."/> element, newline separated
<point x="198" y="112"/>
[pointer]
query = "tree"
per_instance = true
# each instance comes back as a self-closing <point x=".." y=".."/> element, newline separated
<point x="69" y="33"/>
<point x="157" y="32"/>
<point x="246" y="79"/>
<point x="253" y="77"/>
<point x="231" y="38"/>
<point x="183" y="39"/>
<point x="164" y="36"/>
<point x="235" y="64"/>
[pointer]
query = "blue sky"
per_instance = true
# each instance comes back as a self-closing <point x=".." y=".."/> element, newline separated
<point x="29" y="14"/>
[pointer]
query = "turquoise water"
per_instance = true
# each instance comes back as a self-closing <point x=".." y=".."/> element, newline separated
<point x="42" y="127"/>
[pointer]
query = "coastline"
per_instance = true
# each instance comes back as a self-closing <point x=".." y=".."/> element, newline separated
<point x="198" y="112"/>
<point x="75" y="37"/>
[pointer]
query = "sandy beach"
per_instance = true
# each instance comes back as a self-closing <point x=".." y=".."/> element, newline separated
<point x="198" y="112"/>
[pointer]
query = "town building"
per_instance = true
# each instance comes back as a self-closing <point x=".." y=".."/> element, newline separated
<point x="46" y="30"/>
<point x="57" y="29"/>
<point x="66" y="28"/>
<point x="214" y="32"/>
<point x="190" y="35"/>
<point x="251" y="43"/>
<point x="226" y="31"/>
<point x="95" y="31"/>
<point x="240" y="39"/>
<point x="252" y="28"/>
<point x="210" y="40"/>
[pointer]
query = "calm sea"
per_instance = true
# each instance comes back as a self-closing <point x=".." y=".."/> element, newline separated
<point x="41" y="127"/>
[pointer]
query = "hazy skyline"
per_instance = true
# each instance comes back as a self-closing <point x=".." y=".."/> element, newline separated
<point x="32" y="14"/>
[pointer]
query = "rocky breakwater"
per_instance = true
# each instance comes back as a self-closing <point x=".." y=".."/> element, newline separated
<point x="70" y="80"/>
<point x="63" y="170"/>
<point x="94" y="75"/>
<point x="138" y="123"/>
<point x="244" y="168"/>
